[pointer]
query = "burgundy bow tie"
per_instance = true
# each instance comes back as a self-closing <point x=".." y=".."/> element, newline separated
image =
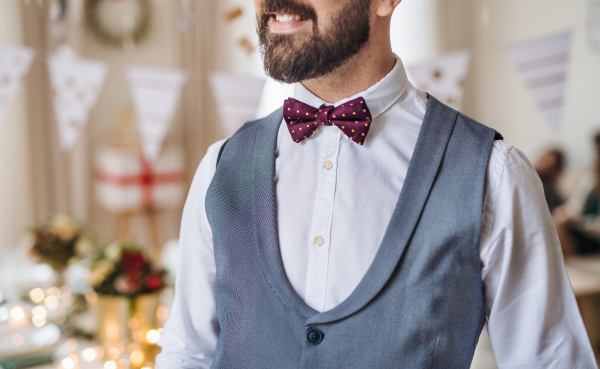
<point x="352" y="117"/>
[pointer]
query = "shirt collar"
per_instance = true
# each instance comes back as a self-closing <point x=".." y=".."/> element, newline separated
<point x="379" y="97"/>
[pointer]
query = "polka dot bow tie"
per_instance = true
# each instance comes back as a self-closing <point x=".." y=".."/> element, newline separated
<point x="352" y="117"/>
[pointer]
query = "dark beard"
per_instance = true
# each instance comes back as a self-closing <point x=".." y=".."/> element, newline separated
<point x="291" y="58"/>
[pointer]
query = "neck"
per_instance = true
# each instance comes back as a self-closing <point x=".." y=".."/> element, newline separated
<point x="357" y="74"/>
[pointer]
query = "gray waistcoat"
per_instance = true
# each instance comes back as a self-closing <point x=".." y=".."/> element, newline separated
<point x="420" y="304"/>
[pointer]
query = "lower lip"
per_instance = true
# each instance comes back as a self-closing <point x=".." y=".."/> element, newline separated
<point x="286" y="27"/>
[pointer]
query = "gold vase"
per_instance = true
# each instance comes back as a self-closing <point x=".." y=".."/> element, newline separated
<point x="127" y="327"/>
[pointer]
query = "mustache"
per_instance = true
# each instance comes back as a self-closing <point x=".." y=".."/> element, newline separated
<point x="288" y="7"/>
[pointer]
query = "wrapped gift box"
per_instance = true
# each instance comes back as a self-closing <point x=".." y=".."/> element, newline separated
<point x="126" y="182"/>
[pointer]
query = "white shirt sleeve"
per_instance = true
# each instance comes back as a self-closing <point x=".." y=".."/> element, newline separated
<point x="533" y="319"/>
<point x="190" y="335"/>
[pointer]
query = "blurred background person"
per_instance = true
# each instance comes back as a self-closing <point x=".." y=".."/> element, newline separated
<point x="549" y="167"/>
<point x="591" y="207"/>
<point x="578" y="230"/>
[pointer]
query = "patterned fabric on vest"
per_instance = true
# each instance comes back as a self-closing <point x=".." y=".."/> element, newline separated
<point x="420" y="304"/>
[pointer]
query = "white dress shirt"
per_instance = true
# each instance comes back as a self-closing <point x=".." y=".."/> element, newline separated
<point x="334" y="202"/>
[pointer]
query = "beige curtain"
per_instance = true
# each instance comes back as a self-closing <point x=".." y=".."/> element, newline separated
<point x="63" y="181"/>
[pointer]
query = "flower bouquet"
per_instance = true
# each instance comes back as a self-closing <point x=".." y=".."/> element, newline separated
<point x="57" y="239"/>
<point x="123" y="269"/>
<point x="128" y="287"/>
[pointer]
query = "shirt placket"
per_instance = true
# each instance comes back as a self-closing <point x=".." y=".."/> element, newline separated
<point x="320" y="229"/>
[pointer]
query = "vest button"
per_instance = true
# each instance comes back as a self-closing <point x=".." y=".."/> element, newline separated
<point x="315" y="336"/>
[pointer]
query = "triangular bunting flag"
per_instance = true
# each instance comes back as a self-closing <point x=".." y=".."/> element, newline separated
<point x="14" y="64"/>
<point x="543" y="64"/>
<point x="237" y="99"/>
<point x="77" y="84"/>
<point x="442" y="77"/>
<point x="155" y="93"/>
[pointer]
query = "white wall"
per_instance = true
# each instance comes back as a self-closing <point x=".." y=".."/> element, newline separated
<point x="15" y="187"/>
<point x="414" y="32"/>
<point x="500" y="97"/>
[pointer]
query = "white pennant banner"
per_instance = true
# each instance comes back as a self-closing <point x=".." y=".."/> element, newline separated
<point x="77" y="83"/>
<point x="543" y="64"/>
<point x="594" y="24"/>
<point x="14" y="64"/>
<point x="155" y="93"/>
<point x="237" y="99"/>
<point x="442" y="77"/>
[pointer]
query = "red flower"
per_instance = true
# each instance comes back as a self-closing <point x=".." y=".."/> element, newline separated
<point x="133" y="260"/>
<point x="154" y="281"/>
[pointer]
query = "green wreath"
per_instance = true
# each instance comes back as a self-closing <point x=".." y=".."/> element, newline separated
<point x="108" y="37"/>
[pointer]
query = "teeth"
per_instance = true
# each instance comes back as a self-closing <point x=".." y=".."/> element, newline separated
<point x="287" y="17"/>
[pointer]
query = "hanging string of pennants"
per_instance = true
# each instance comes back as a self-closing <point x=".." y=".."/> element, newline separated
<point x="155" y="93"/>
<point x="77" y="84"/>
<point x="237" y="99"/>
<point x="442" y="77"/>
<point x="543" y="65"/>
<point x="14" y="64"/>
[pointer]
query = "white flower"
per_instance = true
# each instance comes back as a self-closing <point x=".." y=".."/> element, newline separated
<point x="123" y="285"/>
<point x="112" y="251"/>
<point x="99" y="272"/>
<point x="64" y="227"/>
<point x="84" y="247"/>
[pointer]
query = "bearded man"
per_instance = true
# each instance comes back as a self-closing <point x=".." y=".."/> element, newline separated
<point x="364" y="224"/>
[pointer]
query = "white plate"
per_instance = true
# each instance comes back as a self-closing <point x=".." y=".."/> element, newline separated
<point x="33" y="341"/>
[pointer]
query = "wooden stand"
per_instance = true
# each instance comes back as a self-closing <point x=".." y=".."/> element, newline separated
<point x="123" y="226"/>
<point x="126" y="137"/>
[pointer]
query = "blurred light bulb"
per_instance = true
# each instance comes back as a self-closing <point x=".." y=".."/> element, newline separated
<point x="136" y="357"/>
<point x="18" y="339"/>
<point x="64" y="290"/>
<point x="67" y="363"/>
<point x="36" y="295"/>
<point x="39" y="310"/>
<point x="162" y="313"/>
<point x="75" y="358"/>
<point x="133" y="323"/>
<point x="88" y="354"/>
<point x="38" y="320"/>
<point x="17" y="313"/>
<point x="99" y="351"/>
<point x="53" y="291"/>
<point x="113" y="353"/>
<point x="71" y="345"/>
<point x="152" y="336"/>
<point x="112" y="331"/>
<point x="52" y="302"/>
<point x="110" y="365"/>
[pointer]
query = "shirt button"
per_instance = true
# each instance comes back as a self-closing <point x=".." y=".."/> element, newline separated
<point x="327" y="165"/>
<point x="319" y="241"/>
<point x="314" y="336"/>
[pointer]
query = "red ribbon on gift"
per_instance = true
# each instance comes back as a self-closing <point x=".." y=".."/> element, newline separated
<point x="146" y="179"/>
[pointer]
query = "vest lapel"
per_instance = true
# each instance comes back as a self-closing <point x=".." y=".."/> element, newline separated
<point x="264" y="214"/>
<point x="431" y="144"/>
